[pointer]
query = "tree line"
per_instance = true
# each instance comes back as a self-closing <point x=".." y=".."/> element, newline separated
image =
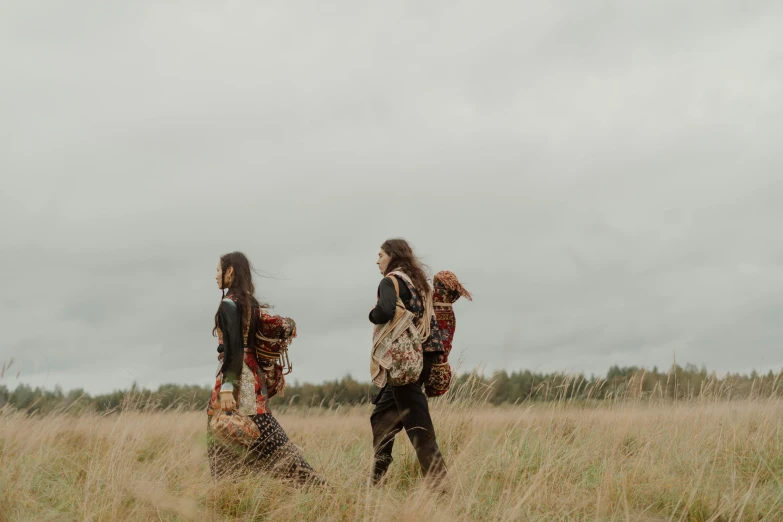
<point x="620" y="383"/>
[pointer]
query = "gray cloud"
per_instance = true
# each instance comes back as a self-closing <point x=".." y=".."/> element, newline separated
<point x="605" y="179"/>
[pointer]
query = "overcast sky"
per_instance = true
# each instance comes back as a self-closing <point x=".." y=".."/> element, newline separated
<point x="605" y="177"/>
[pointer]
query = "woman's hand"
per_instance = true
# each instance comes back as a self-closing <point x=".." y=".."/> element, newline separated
<point x="227" y="402"/>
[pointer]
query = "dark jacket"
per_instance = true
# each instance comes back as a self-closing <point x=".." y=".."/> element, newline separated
<point x="233" y="345"/>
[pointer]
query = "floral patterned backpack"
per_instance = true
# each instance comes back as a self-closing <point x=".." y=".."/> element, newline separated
<point x="397" y="357"/>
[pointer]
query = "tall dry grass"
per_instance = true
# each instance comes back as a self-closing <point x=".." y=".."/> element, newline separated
<point x="628" y="459"/>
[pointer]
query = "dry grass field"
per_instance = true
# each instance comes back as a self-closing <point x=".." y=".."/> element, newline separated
<point x="619" y="460"/>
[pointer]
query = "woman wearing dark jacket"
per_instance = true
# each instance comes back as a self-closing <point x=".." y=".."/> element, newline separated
<point x="405" y="407"/>
<point x="242" y="433"/>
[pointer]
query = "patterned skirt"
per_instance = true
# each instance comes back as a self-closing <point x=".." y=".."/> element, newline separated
<point x="272" y="453"/>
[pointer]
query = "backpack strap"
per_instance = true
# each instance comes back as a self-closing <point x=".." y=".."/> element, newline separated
<point x="246" y="332"/>
<point x="398" y="301"/>
<point x="396" y="285"/>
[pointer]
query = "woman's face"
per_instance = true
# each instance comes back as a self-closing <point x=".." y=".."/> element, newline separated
<point x="383" y="261"/>
<point x="224" y="280"/>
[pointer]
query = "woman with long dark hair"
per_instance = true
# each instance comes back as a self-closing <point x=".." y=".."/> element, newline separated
<point x="242" y="433"/>
<point x="403" y="354"/>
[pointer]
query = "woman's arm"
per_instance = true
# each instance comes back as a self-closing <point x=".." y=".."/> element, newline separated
<point x="228" y="319"/>
<point x="387" y="303"/>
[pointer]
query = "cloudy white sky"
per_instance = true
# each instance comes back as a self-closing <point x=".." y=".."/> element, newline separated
<point x="605" y="177"/>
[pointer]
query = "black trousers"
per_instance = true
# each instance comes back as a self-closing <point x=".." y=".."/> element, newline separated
<point x="405" y="407"/>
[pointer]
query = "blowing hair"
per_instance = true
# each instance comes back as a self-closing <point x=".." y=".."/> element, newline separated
<point x="241" y="288"/>
<point x="403" y="259"/>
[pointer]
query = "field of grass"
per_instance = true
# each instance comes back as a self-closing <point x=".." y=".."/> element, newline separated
<point x="621" y="460"/>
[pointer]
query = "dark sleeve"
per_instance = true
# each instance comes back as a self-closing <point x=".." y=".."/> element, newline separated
<point x="387" y="303"/>
<point x="228" y="318"/>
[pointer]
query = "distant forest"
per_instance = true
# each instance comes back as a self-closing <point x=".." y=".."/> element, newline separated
<point x="630" y="383"/>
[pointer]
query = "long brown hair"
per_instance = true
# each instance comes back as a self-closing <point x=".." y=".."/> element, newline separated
<point x="403" y="258"/>
<point x="241" y="288"/>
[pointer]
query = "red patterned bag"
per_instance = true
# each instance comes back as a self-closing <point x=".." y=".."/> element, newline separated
<point x="275" y="334"/>
<point x="446" y="291"/>
<point x="230" y="428"/>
